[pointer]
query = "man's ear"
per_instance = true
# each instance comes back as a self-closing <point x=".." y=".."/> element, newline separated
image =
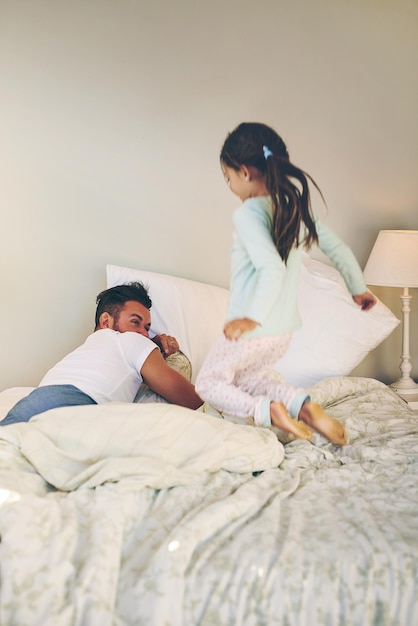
<point x="106" y="320"/>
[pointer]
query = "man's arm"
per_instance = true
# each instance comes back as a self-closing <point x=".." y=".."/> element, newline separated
<point x="168" y="383"/>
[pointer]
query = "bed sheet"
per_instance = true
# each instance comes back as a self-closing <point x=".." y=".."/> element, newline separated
<point x="324" y="536"/>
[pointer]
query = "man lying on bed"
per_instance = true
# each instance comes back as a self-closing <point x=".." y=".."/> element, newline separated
<point x="113" y="361"/>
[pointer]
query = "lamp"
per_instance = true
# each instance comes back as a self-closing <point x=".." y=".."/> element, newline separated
<point x="393" y="262"/>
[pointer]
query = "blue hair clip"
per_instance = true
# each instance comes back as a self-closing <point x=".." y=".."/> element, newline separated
<point x="267" y="152"/>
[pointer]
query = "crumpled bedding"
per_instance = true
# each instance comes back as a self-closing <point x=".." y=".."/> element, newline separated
<point x="155" y="445"/>
<point x="327" y="537"/>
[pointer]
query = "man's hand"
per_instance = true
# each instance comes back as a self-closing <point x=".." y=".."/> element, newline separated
<point x="235" y="328"/>
<point x="167" y="344"/>
<point x="366" y="300"/>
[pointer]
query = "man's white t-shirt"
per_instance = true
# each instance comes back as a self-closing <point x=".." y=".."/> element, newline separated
<point x="107" y="367"/>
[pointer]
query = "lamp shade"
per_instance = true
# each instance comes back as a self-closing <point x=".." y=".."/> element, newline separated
<point x="393" y="261"/>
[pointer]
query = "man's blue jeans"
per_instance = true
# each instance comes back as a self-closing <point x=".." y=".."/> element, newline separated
<point x="44" y="398"/>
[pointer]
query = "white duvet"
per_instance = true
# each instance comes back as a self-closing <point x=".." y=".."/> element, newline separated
<point x="164" y="519"/>
<point x="154" y="445"/>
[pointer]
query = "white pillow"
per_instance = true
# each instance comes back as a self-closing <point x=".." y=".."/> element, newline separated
<point x="335" y="335"/>
<point x="191" y="311"/>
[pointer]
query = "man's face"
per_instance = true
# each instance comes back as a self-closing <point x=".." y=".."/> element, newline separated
<point x="134" y="317"/>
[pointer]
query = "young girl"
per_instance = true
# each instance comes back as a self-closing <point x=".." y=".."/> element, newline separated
<point x="271" y="228"/>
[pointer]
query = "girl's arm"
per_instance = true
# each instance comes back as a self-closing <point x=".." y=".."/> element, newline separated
<point x="253" y="227"/>
<point x="343" y="258"/>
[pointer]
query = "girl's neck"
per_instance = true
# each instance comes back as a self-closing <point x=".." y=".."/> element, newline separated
<point x="257" y="189"/>
<point x="256" y="183"/>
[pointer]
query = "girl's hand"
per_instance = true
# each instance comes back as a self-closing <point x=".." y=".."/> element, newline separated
<point x="366" y="300"/>
<point x="235" y="328"/>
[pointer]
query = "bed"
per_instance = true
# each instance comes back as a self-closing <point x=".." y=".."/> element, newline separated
<point x="148" y="513"/>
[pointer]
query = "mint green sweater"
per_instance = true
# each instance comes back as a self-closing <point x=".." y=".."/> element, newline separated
<point x="262" y="287"/>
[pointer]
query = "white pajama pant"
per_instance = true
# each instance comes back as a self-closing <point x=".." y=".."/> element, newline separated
<point x="237" y="378"/>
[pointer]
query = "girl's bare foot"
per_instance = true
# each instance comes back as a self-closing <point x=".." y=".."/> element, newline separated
<point x="315" y="417"/>
<point x="280" y="418"/>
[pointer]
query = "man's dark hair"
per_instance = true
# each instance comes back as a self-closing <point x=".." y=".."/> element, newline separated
<point x="113" y="300"/>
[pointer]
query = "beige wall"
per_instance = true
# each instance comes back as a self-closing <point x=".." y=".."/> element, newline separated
<point x="112" y="113"/>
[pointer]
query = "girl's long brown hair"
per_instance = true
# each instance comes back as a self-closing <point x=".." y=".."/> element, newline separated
<point x="286" y="183"/>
